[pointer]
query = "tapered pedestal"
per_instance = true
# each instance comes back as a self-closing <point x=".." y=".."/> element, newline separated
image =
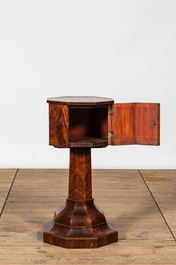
<point x="79" y="223"/>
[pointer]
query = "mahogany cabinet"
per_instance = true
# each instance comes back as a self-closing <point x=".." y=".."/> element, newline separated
<point x="82" y="123"/>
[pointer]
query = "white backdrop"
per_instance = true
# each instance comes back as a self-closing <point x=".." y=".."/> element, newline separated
<point x="123" y="49"/>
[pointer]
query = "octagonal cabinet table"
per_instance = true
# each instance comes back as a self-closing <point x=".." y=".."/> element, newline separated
<point x="82" y="123"/>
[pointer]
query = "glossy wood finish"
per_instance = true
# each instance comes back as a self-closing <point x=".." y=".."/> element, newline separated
<point x="123" y="124"/>
<point x="147" y="123"/>
<point x="80" y="101"/>
<point x="135" y="123"/>
<point x="78" y="127"/>
<point x="58" y="125"/>
<point x="81" y="123"/>
<point x="79" y="223"/>
<point x="87" y="141"/>
<point x="97" y="126"/>
<point x="110" y="123"/>
<point x="80" y="178"/>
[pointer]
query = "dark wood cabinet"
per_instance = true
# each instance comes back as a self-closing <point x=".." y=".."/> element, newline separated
<point x="78" y="125"/>
<point x="82" y="123"/>
<point x="97" y="124"/>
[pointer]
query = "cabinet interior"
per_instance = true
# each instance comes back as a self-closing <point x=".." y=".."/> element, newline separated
<point x="88" y="123"/>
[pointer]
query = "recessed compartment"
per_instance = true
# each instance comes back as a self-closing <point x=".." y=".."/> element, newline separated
<point x="88" y="127"/>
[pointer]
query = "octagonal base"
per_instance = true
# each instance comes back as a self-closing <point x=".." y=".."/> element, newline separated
<point x="79" y="225"/>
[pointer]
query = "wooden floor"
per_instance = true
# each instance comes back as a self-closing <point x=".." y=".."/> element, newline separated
<point x="141" y="204"/>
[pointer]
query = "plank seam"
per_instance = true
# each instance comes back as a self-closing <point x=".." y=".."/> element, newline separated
<point x="9" y="192"/>
<point x="157" y="205"/>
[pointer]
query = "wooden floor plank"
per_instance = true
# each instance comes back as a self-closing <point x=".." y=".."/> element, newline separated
<point x="6" y="178"/>
<point x="144" y="237"/>
<point x="74" y="258"/>
<point x="162" y="185"/>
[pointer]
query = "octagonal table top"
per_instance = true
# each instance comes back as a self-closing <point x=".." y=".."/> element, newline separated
<point x="80" y="100"/>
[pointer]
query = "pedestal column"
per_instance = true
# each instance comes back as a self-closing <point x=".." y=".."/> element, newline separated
<point x="79" y="223"/>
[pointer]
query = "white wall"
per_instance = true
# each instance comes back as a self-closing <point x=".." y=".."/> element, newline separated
<point x="123" y="49"/>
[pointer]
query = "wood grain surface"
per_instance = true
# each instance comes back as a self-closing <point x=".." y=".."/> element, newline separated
<point x="144" y="236"/>
<point x="79" y="223"/>
<point x="98" y="126"/>
<point x="124" y="123"/>
<point x="135" y="123"/>
<point x="58" y="125"/>
<point x="87" y="141"/>
<point x="80" y="175"/>
<point x="147" y="123"/>
<point x="6" y="179"/>
<point x="161" y="184"/>
<point x="80" y="100"/>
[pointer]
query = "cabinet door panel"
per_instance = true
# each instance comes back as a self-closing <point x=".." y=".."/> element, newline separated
<point x="134" y="123"/>
<point x="58" y="125"/>
<point x="124" y="129"/>
<point x="147" y="123"/>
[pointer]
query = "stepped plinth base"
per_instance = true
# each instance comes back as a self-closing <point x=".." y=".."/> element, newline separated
<point x="79" y="225"/>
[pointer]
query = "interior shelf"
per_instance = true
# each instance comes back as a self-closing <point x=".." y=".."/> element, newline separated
<point x="86" y="141"/>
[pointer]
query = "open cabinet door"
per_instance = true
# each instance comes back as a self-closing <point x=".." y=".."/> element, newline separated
<point x="147" y="123"/>
<point x="134" y="123"/>
<point x="122" y="129"/>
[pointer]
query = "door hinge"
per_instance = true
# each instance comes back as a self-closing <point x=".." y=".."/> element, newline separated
<point x="111" y="135"/>
<point x="111" y="111"/>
